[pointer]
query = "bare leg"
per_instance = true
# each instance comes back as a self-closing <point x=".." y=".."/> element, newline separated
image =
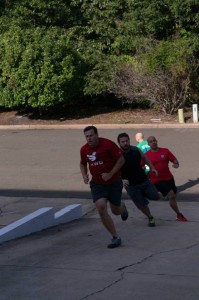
<point x="116" y="210"/>
<point x="172" y="201"/>
<point x="146" y="211"/>
<point x="107" y="221"/>
<point x="121" y="210"/>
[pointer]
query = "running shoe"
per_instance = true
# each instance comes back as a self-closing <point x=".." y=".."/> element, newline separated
<point x="124" y="214"/>
<point x="151" y="222"/>
<point x="181" y="218"/>
<point x="115" y="242"/>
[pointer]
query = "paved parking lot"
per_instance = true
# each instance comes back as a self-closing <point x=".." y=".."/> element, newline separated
<point x="71" y="261"/>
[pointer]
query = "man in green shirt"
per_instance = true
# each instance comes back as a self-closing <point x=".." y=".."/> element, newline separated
<point x="143" y="146"/>
<point x="142" y="143"/>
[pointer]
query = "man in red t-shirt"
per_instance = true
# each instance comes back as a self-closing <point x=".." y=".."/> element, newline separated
<point x="104" y="159"/>
<point x="164" y="182"/>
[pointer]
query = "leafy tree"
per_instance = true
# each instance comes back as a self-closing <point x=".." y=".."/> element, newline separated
<point x="186" y="14"/>
<point x="57" y="51"/>
<point x="36" y="71"/>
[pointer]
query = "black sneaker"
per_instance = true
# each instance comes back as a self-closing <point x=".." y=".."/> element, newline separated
<point x="115" y="242"/>
<point x="124" y="214"/>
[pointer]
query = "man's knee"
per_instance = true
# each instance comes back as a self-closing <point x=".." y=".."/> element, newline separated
<point x="158" y="196"/>
<point x="116" y="210"/>
<point x="101" y="206"/>
<point x="171" y="194"/>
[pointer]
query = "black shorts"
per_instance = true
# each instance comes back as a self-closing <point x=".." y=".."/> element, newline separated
<point x="112" y="192"/>
<point x="164" y="187"/>
<point x="141" y="193"/>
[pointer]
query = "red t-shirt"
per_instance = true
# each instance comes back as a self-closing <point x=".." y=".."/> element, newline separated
<point x="160" y="159"/>
<point x="101" y="159"/>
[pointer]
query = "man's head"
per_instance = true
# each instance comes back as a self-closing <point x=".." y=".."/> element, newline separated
<point x="91" y="135"/>
<point x="153" y="143"/>
<point x="124" y="141"/>
<point x="139" y="137"/>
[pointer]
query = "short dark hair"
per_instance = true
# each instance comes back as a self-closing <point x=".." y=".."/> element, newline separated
<point x="121" y="135"/>
<point x="91" y="127"/>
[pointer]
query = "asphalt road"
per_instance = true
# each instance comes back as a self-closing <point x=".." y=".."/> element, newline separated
<point x="72" y="262"/>
<point x="45" y="163"/>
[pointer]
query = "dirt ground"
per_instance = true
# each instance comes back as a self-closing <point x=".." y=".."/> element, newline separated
<point x="122" y="116"/>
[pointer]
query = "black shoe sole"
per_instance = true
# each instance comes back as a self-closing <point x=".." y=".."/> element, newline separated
<point x="112" y="246"/>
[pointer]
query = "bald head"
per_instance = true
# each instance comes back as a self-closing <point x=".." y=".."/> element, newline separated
<point x="153" y="143"/>
<point x="139" y="137"/>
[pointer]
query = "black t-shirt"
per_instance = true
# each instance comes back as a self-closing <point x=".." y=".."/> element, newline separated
<point x="132" y="169"/>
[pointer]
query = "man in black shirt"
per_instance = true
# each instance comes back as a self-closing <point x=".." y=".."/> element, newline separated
<point x="135" y="181"/>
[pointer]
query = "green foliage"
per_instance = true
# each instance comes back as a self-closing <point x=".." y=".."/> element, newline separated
<point x="186" y="16"/>
<point x="100" y="20"/>
<point x="149" y="18"/>
<point x="57" y="51"/>
<point x="38" y="68"/>
<point x="28" y="13"/>
<point x="169" y="55"/>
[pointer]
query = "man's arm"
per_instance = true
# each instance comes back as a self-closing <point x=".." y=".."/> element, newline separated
<point x="173" y="159"/>
<point x="148" y="162"/>
<point x="119" y="163"/>
<point x="84" y="171"/>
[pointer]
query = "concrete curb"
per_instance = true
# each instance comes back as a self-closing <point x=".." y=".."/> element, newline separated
<point x="106" y="126"/>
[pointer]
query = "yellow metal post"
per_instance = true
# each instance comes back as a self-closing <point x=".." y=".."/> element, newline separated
<point x="181" y="115"/>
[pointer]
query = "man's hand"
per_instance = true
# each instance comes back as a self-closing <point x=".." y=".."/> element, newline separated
<point x="125" y="182"/>
<point x="155" y="171"/>
<point x="86" y="179"/>
<point x="175" y="165"/>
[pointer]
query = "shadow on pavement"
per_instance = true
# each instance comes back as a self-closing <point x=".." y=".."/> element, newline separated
<point x="45" y="193"/>
<point x="182" y="196"/>
<point x="188" y="184"/>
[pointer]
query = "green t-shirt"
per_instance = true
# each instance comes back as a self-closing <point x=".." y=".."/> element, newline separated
<point x="144" y="147"/>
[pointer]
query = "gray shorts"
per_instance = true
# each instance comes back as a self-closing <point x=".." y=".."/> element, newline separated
<point x="141" y="193"/>
<point x="112" y="192"/>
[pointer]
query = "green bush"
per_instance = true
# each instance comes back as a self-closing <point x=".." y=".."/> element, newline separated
<point x="38" y="68"/>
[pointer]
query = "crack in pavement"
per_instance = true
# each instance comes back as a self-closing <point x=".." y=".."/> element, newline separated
<point x="155" y="254"/>
<point x="122" y="273"/>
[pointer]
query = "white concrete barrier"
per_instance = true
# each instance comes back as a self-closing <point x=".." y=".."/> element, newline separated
<point x="68" y="214"/>
<point x="36" y="221"/>
<point x="40" y="219"/>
